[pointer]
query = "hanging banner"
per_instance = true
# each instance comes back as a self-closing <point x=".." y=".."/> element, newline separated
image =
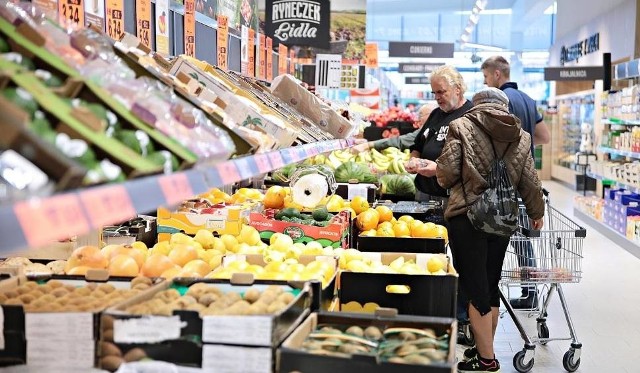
<point x="94" y="13"/>
<point x="244" y="50"/>
<point x="299" y="22"/>
<point x="269" y="58"/>
<point x="190" y="28"/>
<point x="48" y="7"/>
<point x="115" y="19"/>
<point x="371" y="55"/>
<point x="292" y="63"/>
<point x="71" y="11"/>
<point x="251" y="48"/>
<point x="223" y="41"/>
<point x="162" y="27"/>
<point x="283" y="55"/>
<point x="262" y="56"/>
<point x="143" y="22"/>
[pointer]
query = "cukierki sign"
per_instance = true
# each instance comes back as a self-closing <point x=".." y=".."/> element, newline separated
<point x="298" y="22"/>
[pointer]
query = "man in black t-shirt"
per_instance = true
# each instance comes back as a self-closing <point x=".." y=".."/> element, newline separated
<point x="448" y="87"/>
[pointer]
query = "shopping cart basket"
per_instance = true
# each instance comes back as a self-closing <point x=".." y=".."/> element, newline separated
<point x="554" y="258"/>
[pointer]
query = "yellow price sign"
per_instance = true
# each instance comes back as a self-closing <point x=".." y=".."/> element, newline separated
<point x="223" y="41"/>
<point x="143" y="21"/>
<point x="115" y="19"/>
<point x="71" y="11"/>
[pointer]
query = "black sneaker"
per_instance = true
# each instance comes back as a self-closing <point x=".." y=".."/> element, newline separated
<point x="470" y="353"/>
<point x="477" y="365"/>
<point x="528" y="303"/>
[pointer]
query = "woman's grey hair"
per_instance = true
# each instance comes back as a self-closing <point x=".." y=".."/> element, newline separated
<point x="490" y="95"/>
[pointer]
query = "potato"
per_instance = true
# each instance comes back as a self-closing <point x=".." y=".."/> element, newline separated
<point x="23" y="289"/>
<point x="141" y="280"/>
<point x="84" y="291"/>
<point x="275" y="307"/>
<point x="107" y="288"/>
<point x="11" y="294"/>
<point x="59" y="292"/>
<point x="417" y="359"/>
<point x="252" y="295"/>
<point x="286" y="298"/>
<point x="372" y="332"/>
<point x="27" y="298"/>
<point x="355" y="330"/>
<point x="207" y="298"/>
<point x="397" y="360"/>
<point x="108" y="349"/>
<point x="54" y="284"/>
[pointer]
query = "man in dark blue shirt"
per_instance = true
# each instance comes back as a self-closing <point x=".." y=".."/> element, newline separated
<point x="496" y="72"/>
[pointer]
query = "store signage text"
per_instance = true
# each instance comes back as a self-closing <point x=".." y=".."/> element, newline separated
<point x="416" y="80"/>
<point x="427" y="50"/>
<point x="582" y="48"/>
<point x="419" y="68"/>
<point x="574" y="73"/>
<point x="298" y="22"/>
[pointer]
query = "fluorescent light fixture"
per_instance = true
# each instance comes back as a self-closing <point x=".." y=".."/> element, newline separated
<point x="468" y="29"/>
<point x="481" y="46"/>
<point x="474" y="18"/>
<point x="464" y="38"/>
<point x="552" y="9"/>
<point x="505" y="11"/>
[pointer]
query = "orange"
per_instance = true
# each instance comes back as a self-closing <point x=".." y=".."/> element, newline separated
<point x="123" y="265"/>
<point x="199" y="266"/>
<point x="137" y="255"/>
<point x="441" y="232"/>
<point x="155" y="265"/>
<point x="406" y="218"/>
<point x="87" y="256"/>
<point x="79" y="270"/>
<point x="367" y="220"/>
<point x="274" y="200"/>
<point x="182" y="254"/>
<point x="401" y="229"/>
<point x="171" y="272"/>
<point x="384" y="213"/>
<point x="277" y="190"/>
<point x="385" y="231"/>
<point x="419" y="230"/>
<point x="359" y="204"/>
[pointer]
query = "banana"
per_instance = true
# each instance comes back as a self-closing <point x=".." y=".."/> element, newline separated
<point x="377" y="156"/>
<point x="334" y="160"/>
<point x="401" y="167"/>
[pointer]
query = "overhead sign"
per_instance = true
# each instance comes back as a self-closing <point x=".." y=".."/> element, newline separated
<point x="425" y="50"/>
<point x="299" y="22"/>
<point x="420" y="68"/>
<point x="580" y="49"/>
<point x="416" y="80"/>
<point x="574" y="73"/>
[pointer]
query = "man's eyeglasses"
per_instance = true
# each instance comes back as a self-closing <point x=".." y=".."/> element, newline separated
<point x="439" y="93"/>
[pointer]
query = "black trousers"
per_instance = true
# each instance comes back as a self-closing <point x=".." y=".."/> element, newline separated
<point x="478" y="258"/>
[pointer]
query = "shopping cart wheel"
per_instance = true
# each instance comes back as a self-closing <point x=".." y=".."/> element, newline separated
<point x="570" y="365"/>
<point x="465" y="335"/>
<point x="518" y="362"/>
<point x="543" y="331"/>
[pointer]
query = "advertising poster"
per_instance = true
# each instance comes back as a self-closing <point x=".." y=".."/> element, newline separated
<point x="115" y="19"/>
<point x="162" y="27"/>
<point x="251" y="47"/>
<point x="223" y="41"/>
<point x="190" y="28"/>
<point x="94" y="13"/>
<point x="143" y="21"/>
<point x="269" y="58"/>
<point x="238" y="12"/>
<point x="298" y="22"/>
<point x="71" y="12"/>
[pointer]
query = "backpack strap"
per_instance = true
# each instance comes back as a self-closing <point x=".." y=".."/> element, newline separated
<point x="495" y="154"/>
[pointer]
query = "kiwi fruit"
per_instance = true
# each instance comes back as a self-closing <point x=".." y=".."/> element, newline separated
<point x="252" y="295"/>
<point x="372" y="332"/>
<point x="108" y="349"/>
<point x="11" y="294"/>
<point x="286" y="297"/>
<point x="54" y="284"/>
<point x="107" y="288"/>
<point x="355" y="330"/>
<point x="207" y="298"/>
<point x="59" y="292"/>
<point x="135" y="354"/>
<point x="141" y="280"/>
<point x="111" y="363"/>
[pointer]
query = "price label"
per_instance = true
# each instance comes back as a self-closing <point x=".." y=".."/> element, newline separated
<point x="143" y="21"/>
<point x="228" y="172"/>
<point x="107" y="205"/>
<point x="292" y="57"/>
<point x="190" y="28"/>
<point x="50" y="219"/>
<point x="176" y="188"/>
<point x="71" y="11"/>
<point x="262" y="161"/>
<point x="261" y="51"/>
<point x="301" y="153"/>
<point x="276" y="159"/>
<point x="162" y="27"/>
<point x="371" y="55"/>
<point x="115" y="19"/>
<point x="251" y="42"/>
<point x="246" y="167"/>
<point x="269" y="58"/>
<point x="223" y="41"/>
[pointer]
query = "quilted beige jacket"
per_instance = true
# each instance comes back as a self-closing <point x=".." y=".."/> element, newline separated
<point x="469" y="142"/>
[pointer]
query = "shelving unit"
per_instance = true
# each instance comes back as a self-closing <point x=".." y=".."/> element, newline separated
<point x="36" y="222"/>
<point x="611" y="234"/>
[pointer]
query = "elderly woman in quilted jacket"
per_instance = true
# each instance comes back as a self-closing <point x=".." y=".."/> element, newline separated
<point x="478" y="256"/>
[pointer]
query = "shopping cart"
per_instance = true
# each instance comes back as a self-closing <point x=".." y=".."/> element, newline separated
<point x="555" y="258"/>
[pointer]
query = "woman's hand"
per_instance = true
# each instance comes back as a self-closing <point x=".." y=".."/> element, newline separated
<point x="428" y="168"/>
<point x="412" y="165"/>
<point x="537" y="224"/>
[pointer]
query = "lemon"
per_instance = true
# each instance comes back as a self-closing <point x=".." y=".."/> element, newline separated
<point x="435" y="264"/>
<point x="357" y="265"/>
<point x="162" y="248"/>
<point x="249" y="235"/>
<point x="229" y="241"/>
<point x="180" y="238"/>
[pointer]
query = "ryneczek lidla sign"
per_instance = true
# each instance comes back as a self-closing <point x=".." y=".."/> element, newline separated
<point x="298" y="22"/>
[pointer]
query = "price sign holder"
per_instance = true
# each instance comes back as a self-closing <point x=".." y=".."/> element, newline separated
<point x="175" y="188"/>
<point x="115" y="19"/>
<point x="143" y="22"/>
<point x="71" y="11"/>
<point x="107" y="205"/>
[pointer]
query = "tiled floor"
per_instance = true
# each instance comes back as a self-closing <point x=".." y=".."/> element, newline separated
<point x="604" y="307"/>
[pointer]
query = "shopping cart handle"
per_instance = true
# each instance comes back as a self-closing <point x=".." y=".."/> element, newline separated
<point x="545" y="192"/>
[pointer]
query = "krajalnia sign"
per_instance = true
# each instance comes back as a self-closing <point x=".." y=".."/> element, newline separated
<point x="299" y="22"/>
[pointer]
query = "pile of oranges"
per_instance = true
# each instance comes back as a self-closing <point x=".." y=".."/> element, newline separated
<point x="379" y="222"/>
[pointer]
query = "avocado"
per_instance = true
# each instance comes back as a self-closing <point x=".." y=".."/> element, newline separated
<point x="48" y="79"/>
<point x="320" y="213"/>
<point x="166" y="159"/>
<point x="4" y="46"/>
<point x="21" y="98"/>
<point x="19" y="59"/>
<point x="290" y="212"/>
<point x="39" y="124"/>
<point x="129" y="139"/>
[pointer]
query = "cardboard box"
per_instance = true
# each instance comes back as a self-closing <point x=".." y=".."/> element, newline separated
<point x="349" y="190"/>
<point x="429" y="295"/>
<point x="292" y="358"/>
<point x="335" y="234"/>
<point x="222" y="220"/>
<point x="286" y="88"/>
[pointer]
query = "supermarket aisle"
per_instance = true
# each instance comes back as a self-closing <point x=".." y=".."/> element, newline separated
<point x="604" y="307"/>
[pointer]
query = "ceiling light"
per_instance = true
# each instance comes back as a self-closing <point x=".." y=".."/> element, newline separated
<point x="482" y="46"/>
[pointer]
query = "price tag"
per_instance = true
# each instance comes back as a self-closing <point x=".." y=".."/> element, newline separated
<point x="50" y="219"/>
<point x="176" y="188"/>
<point x="246" y="166"/>
<point x="107" y="205"/>
<point x="292" y="64"/>
<point x="57" y="355"/>
<point x="228" y="172"/>
<point x="143" y="21"/>
<point x="283" y="54"/>
<point x="262" y="161"/>
<point x="115" y="19"/>
<point x="190" y="28"/>
<point x="223" y="41"/>
<point x="276" y="159"/>
<point x="371" y="54"/>
<point x="65" y="325"/>
<point x="251" y="42"/>
<point x="242" y="330"/>
<point x="262" y="46"/>
<point x="269" y="58"/>
<point x="224" y="359"/>
<point x="71" y="11"/>
<point x="150" y="329"/>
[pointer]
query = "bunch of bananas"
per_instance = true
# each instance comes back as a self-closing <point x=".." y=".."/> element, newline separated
<point x="390" y="160"/>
